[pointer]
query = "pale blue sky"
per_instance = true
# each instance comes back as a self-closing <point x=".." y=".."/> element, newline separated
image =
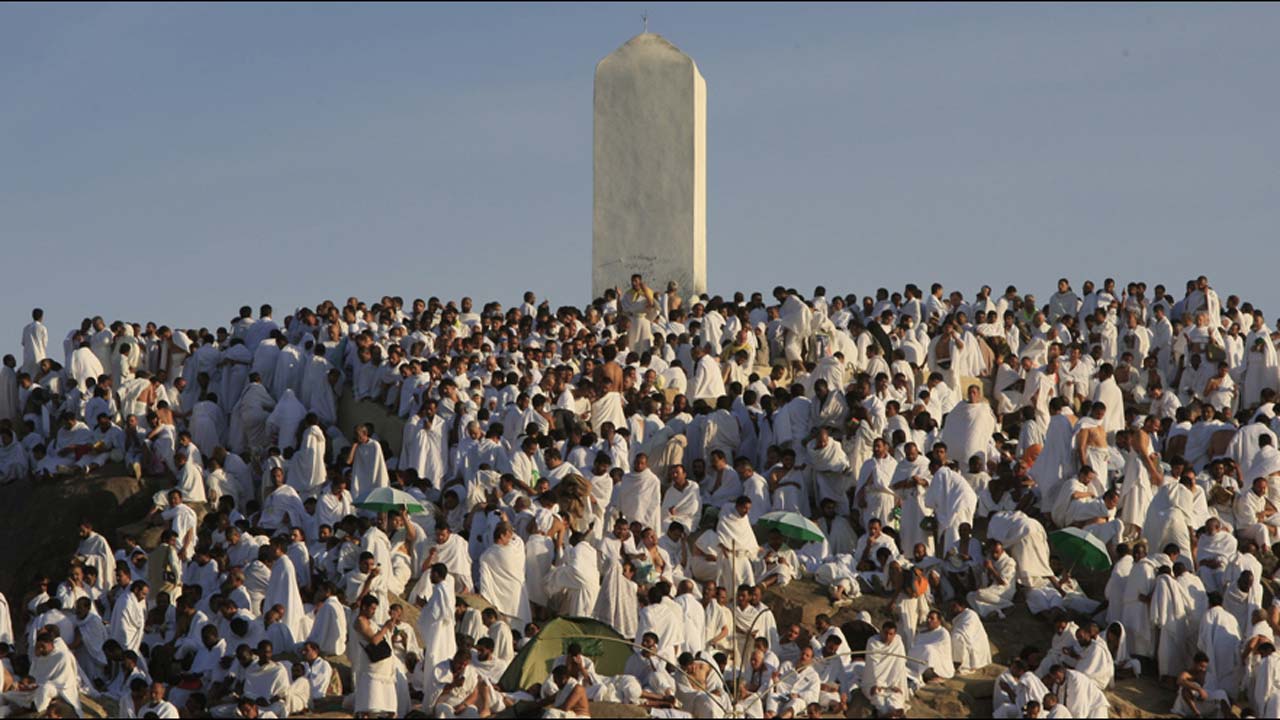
<point x="175" y="162"/>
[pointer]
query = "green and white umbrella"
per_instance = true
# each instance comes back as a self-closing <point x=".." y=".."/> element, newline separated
<point x="386" y="499"/>
<point x="1080" y="548"/>
<point x="793" y="526"/>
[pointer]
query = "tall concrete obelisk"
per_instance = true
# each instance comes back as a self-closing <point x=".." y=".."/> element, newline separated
<point x="650" y="168"/>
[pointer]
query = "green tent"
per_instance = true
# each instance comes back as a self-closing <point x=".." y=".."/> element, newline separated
<point x="600" y="642"/>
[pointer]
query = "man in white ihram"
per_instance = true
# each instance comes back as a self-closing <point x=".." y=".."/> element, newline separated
<point x="54" y="674"/>
<point x="639" y="495"/>
<point x="502" y="576"/>
<point x="884" y="677"/>
<point x="738" y="546"/>
<point x="932" y="646"/>
<point x="35" y="343"/>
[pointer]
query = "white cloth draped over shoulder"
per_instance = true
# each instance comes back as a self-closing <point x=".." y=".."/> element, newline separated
<point x="831" y="473"/>
<point x="608" y="408"/>
<point x="953" y="501"/>
<point x="884" y="675"/>
<point x="682" y="506"/>
<point x="967" y="431"/>
<point x="1026" y="540"/>
<point x="638" y="497"/>
<point x="616" y="603"/>
<point x="96" y="552"/>
<point x="969" y="641"/>
<point x="436" y="622"/>
<point x="368" y="470"/>
<point x="1096" y="662"/>
<point x="502" y="581"/>
<point x="1055" y="463"/>
<point x="84" y="365"/>
<point x="578" y="578"/>
<point x="284" y="420"/>
<point x="738" y="547"/>
<point x="248" y="429"/>
<point x="423" y="449"/>
<point x="932" y="649"/>
<point x="306" y="472"/>
<point x="1170" y="613"/>
<point x="797" y="322"/>
<point x="1220" y="638"/>
<point x="1261" y="368"/>
<point x="282" y="590"/>
<point x="208" y="425"/>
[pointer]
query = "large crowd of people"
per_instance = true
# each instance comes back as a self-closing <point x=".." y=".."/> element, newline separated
<point x="626" y="462"/>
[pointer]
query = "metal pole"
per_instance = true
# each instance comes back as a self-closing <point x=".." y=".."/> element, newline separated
<point x="737" y="677"/>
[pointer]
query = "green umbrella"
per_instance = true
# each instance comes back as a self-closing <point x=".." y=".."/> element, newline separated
<point x="1080" y="548"/>
<point x="792" y="525"/>
<point x="385" y="499"/>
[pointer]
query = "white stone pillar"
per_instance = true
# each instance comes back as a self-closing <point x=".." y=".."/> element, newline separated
<point x="650" y="168"/>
